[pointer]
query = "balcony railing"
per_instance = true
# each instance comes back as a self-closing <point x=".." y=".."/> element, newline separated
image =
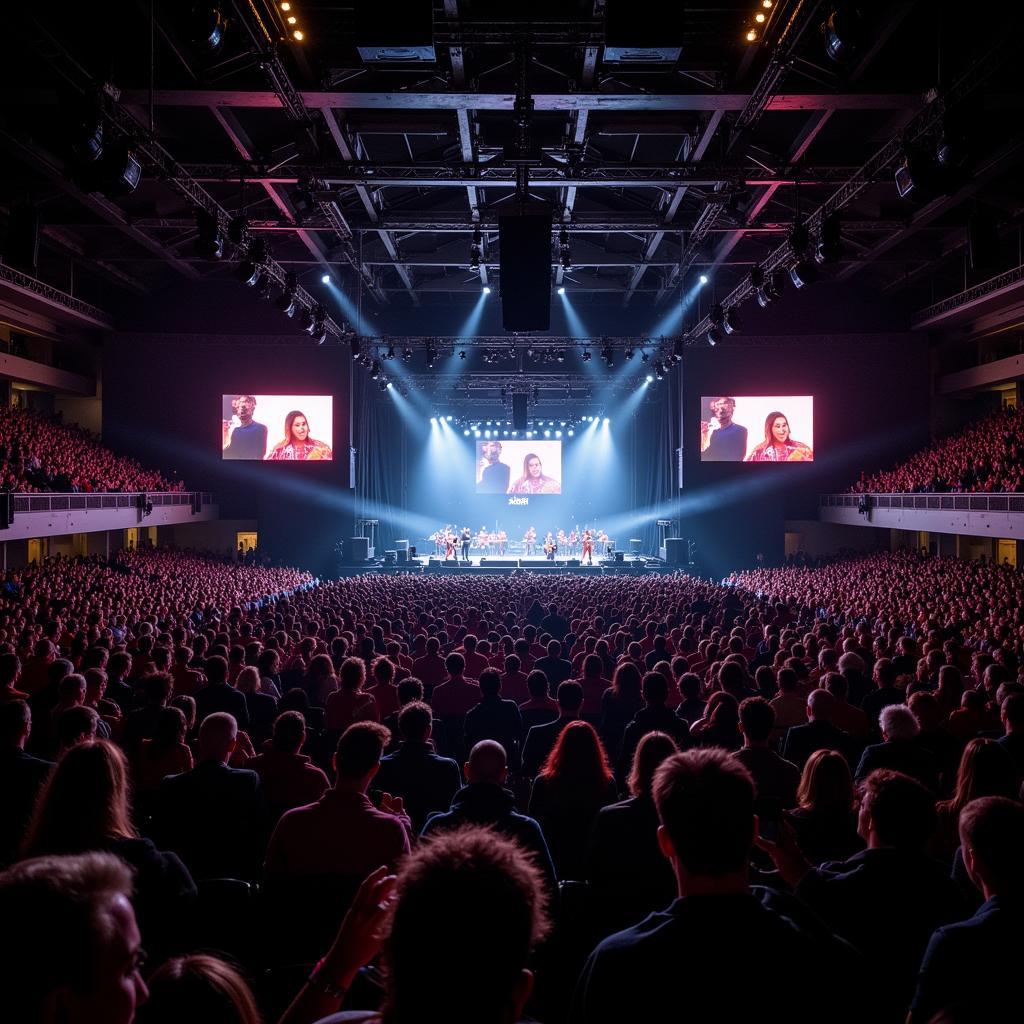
<point x="929" y="502"/>
<point x="21" y="503"/>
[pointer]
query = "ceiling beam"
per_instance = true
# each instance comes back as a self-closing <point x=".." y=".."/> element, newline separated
<point x="563" y="102"/>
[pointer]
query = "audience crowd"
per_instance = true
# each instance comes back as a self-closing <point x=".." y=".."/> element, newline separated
<point x="41" y="453"/>
<point x="988" y="455"/>
<point x="407" y="798"/>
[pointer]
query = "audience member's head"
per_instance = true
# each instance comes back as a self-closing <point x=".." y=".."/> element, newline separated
<point x="199" y="988"/>
<point x="651" y="751"/>
<point x="895" y="811"/>
<point x="359" y="751"/>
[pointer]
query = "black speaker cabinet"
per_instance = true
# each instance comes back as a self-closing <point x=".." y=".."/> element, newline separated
<point x="519" y="411"/>
<point x="675" y="550"/>
<point x="358" y="549"/>
<point x="525" y="242"/>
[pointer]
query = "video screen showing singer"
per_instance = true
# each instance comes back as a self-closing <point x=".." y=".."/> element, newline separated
<point x="533" y="480"/>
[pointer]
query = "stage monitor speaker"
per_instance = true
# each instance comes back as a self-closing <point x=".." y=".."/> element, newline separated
<point x="358" y="549"/>
<point x="412" y="551"/>
<point x="635" y="544"/>
<point x="390" y="557"/>
<point x="619" y="556"/>
<point x="675" y="550"/>
<point x="403" y="555"/>
<point x="983" y="241"/>
<point x="402" y="545"/>
<point x="642" y="32"/>
<point x="21" y="248"/>
<point x="525" y="241"/>
<point x="519" y="411"/>
<point x="399" y="32"/>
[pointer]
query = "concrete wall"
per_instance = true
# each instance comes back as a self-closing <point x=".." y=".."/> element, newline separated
<point x="210" y="536"/>
<point x="56" y="524"/>
<point x="993" y="525"/>
<point x="816" y="538"/>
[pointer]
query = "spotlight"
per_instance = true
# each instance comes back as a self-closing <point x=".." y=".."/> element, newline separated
<point x="354" y="343"/>
<point x="462" y="353"/>
<point x="645" y="356"/>
<point x="558" y="433"/>
<point x="560" y="356"/>
<point x="608" y="355"/>
<point x="210" y="242"/>
<point x="237" y="228"/>
<point x="561" y="289"/>
<point x="433" y="420"/>
<point x="731" y="322"/>
<point x="248" y="273"/>
<point x="650" y="380"/>
<point x="486" y="289"/>
<point x="586" y="355"/>
<point x="390" y="354"/>
<point x="476" y="433"/>
<point x="607" y="422"/>
<point x="714" y="336"/>
<point x="843" y="33"/>
<point x="830" y="243"/>
<point x="751" y="36"/>
<point x="703" y="278"/>
<point x="571" y="433"/>
<point x="384" y="385"/>
<point x="659" y="370"/>
<point x="547" y="433"/>
<point x="447" y="419"/>
<point x="465" y="433"/>
<point x="431" y="357"/>
<point x="326" y="279"/>
<point x="286" y="301"/>
<point x="803" y="273"/>
<point x="406" y="354"/>
<point x="629" y="353"/>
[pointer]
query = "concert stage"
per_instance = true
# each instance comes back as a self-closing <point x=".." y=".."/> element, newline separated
<point x="629" y="566"/>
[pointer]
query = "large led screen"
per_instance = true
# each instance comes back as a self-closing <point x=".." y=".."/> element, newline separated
<point x="518" y="467"/>
<point x="759" y="428"/>
<point x="277" y="428"/>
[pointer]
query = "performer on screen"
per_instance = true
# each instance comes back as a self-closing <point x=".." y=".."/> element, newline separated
<point x="588" y="547"/>
<point x="533" y="480"/>
<point x="728" y="441"/>
<point x="243" y="437"/>
<point x="778" y="445"/>
<point x="495" y="474"/>
<point x="297" y="445"/>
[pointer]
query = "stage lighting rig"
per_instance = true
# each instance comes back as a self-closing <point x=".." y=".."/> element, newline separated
<point x="731" y="322"/>
<point x="608" y="355"/>
<point x="406" y="354"/>
<point x="645" y="356"/>
<point x="476" y="249"/>
<point x="629" y="353"/>
<point x="431" y="356"/>
<point x="286" y="301"/>
<point x="375" y="369"/>
<point x="830" y="241"/>
<point x="564" y="254"/>
<point x="586" y="355"/>
<point x="210" y="242"/>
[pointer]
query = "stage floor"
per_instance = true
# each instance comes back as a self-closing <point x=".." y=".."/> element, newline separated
<point x="630" y="565"/>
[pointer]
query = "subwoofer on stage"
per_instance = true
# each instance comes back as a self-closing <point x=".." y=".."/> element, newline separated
<point x="675" y="550"/>
<point x="357" y="549"/>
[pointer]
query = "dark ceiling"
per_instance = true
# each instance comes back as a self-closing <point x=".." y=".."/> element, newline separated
<point x="379" y="173"/>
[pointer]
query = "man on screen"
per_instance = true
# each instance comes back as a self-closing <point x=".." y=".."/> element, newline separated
<point x="495" y="476"/>
<point x="245" y="439"/>
<point x="729" y="440"/>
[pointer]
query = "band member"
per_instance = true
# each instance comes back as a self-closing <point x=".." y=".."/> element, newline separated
<point x="530" y="541"/>
<point x="481" y="539"/>
<point x="502" y="542"/>
<point x="466" y="537"/>
<point x="562" y="541"/>
<point x="588" y="547"/>
<point x="449" y="545"/>
<point x="602" y="543"/>
<point x="574" y="539"/>
<point x="550" y="547"/>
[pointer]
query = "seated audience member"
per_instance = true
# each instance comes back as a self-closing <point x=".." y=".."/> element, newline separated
<point x="818" y="734"/>
<point x="343" y="835"/>
<point x="776" y="778"/>
<point x="495" y="719"/>
<point x="472" y="890"/>
<point x="789" y="704"/>
<point x="541" y="708"/>
<point x="289" y="778"/>
<point x="845" y="715"/>
<point x="654" y="716"/>
<point x="260" y="707"/>
<point x="484" y="801"/>
<point x="969" y="970"/>
<point x="214" y="816"/>
<point x="119" y="668"/>
<point x="384" y="690"/>
<point x="425" y="782"/>
<point x="691" y="707"/>
<point x="320" y="681"/>
<point x="84" y="807"/>
<point x="541" y="738"/>
<point x="935" y="738"/>
<point x="75" y="955"/>
<point x="574" y="784"/>
<point x="95" y="698"/>
<point x="430" y="666"/>
<point x="186" y="680"/>
<point x="141" y="723"/>
<point x="165" y="753"/>
<point x="899" y="749"/>
<point x="620" y="702"/>
<point x="513" y="680"/>
<point x="553" y="665"/>
<point x="350" y="702"/>
<point x="21" y="777"/>
<point x="970" y="718"/>
<point x="720" y="726"/>
<point x="199" y="988"/>
<point x="1011" y="715"/>
<point x="825" y="816"/>
<point x="10" y="674"/>
<point x="629" y="877"/>
<point x="886" y="692"/>
<point x="705" y="803"/>
<point x="887" y="900"/>
<point x="411" y="689"/>
<point x="219" y="695"/>
<point x="986" y="769"/>
<point x="75" y="726"/>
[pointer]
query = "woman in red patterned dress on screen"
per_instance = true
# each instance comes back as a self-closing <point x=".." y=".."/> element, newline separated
<point x="297" y="445"/>
<point x="777" y="445"/>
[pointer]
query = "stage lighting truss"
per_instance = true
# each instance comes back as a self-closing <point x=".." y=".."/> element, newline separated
<point x="564" y="254"/>
<point x="476" y="250"/>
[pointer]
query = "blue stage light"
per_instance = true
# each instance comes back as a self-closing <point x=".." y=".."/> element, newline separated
<point x="326" y="279"/>
<point x="703" y="278"/>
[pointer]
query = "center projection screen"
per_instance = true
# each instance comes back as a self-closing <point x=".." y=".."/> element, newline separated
<point x="518" y="467"/>
<point x="757" y="428"/>
<point x="277" y="428"/>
